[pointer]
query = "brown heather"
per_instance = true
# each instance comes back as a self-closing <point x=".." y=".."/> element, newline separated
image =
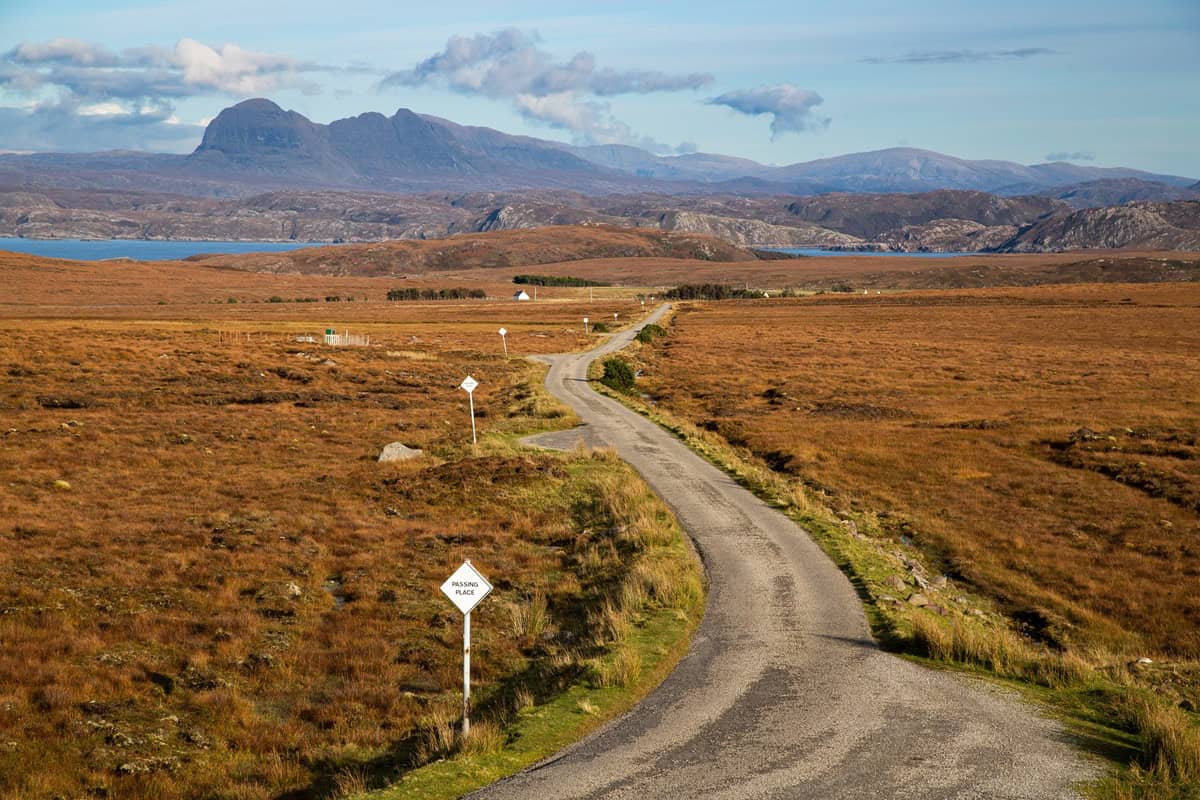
<point x="209" y="588"/>
<point x="1040" y="444"/>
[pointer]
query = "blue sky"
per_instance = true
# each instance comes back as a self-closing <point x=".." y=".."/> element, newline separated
<point x="1097" y="82"/>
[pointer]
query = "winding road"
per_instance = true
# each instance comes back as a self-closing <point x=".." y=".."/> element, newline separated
<point x="784" y="693"/>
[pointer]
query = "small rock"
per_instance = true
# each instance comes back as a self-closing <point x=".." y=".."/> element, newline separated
<point x="398" y="452"/>
<point x="293" y="590"/>
<point x="196" y="738"/>
<point x="939" y="582"/>
<point x="62" y="485"/>
<point x="119" y="740"/>
<point x="895" y="582"/>
<point x="939" y="610"/>
<point x="257" y="661"/>
<point x="918" y="599"/>
<point x="1145" y="660"/>
<point x="144" y="766"/>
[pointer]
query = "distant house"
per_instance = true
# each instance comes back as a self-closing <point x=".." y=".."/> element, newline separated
<point x="521" y="295"/>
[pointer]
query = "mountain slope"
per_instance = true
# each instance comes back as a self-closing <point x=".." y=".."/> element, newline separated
<point x="495" y="249"/>
<point x="868" y="216"/>
<point x="1145" y="226"/>
<point x="256" y="145"/>
<point x="1115" y="191"/>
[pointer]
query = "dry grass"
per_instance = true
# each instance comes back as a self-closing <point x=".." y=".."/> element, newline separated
<point x="184" y="290"/>
<point x="1038" y="444"/>
<point x="230" y="597"/>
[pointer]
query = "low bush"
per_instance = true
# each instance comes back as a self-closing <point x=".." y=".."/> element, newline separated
<point x="650" y="332"/>
<point x="618" y="375"/>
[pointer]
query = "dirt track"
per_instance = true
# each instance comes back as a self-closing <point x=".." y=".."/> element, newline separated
<point x="784" y="694"/>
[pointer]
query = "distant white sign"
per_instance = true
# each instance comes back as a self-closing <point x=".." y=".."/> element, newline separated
<point x="469" y="384"/>
<point x="466" y="587"/>
<point x="504" y="331"/>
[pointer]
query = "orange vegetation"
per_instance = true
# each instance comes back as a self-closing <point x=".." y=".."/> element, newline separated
<point x="1041" y="444"/>
<point x="209" y="588"/>
<point x="497" y="249"/>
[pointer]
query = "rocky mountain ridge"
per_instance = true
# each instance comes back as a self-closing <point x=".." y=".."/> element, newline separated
<point x="932" y="221"/>
<point x="256" y="145"/>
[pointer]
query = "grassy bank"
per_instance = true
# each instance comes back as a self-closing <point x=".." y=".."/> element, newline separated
<point x="643" y="629"/>
<point x="210" y="587"/>
<point x="1132" y="712"/>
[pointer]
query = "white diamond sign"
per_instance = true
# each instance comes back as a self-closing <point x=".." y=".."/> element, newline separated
<point x="504" y="331"/>
<point x="466" y="587"/>
<point x="468" y="384"/>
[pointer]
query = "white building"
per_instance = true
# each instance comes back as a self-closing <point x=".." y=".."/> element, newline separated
<point x="521" y="294"/>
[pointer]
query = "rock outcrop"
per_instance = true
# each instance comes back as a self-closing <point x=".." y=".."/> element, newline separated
<point x="1145" y="226"/>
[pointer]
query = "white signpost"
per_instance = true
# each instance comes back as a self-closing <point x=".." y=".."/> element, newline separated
<point x="585" y="327"/>
<point x="614" y="316"/>
<point x="468" y="385"/>
<point x="465" y="588"/>
<point x="504" y="340"/>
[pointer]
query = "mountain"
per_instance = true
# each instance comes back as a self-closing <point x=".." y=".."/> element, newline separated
<point x="1144" y="226"/>
<point x="1115" y="191"/>
<point x="870" y="215"/>
<point x="404" y="152"/>
<point x="897" y="169"/>
<point x="256" y="145"/>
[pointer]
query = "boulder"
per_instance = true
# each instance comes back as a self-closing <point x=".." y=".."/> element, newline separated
<point x="398" y="452"/>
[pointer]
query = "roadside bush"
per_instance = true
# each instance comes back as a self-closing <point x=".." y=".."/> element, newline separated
<point x="650" y="332"/>
<point x="618" y="375"/>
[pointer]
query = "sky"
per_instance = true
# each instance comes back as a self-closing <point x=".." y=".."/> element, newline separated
<point x="1096" y="82"/>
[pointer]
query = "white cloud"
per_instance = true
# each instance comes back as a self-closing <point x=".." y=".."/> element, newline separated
<point x="96" y="86"/>
<point x="509" y="65"/>
<point x="791" y="108"/>
<point x="235" y="71"/>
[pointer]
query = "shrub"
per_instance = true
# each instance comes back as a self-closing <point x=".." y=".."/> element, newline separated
<point x="618" y="375"/>
<point x="709" y="291"/>
<point x="455" y="293"/>
<point x="650" y="332"/>
<point x="555" y="280"/>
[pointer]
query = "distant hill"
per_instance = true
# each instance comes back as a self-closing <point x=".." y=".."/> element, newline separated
<point x="1145" y="226"/>
<point x="1115" y="191"/>
<point x="516" y="248"/>
<point x="869" y="215"/>
<point x="256" y="145"/>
